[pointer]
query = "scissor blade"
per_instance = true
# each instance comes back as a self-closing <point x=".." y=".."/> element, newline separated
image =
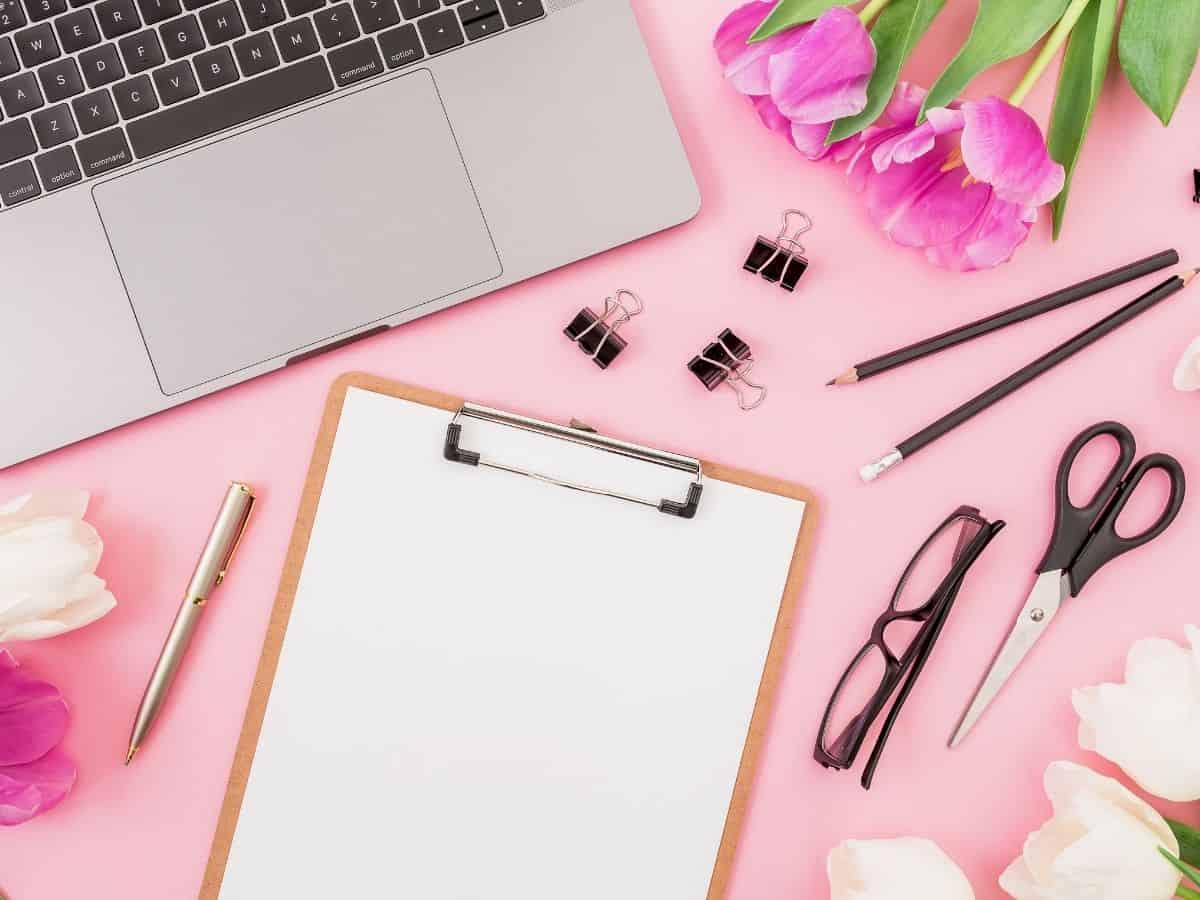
<point x="1037" y="614"/>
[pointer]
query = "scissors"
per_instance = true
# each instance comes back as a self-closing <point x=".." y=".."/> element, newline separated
<point x="1084" y="539"/>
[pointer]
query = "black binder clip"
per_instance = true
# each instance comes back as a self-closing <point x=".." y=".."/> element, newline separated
<point x="1196" y="178"/>
<point x="728" y="361"/>
<point x="597" y="335"/>
<point x="782" y="260"/>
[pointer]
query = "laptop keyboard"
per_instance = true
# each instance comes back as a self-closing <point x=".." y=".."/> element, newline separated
<point x="88" y="86"/>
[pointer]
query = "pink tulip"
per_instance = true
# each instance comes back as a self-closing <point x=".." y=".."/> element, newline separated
<point x="965" y="185"/>
<point x="801" y="80"/>
<point x="35" y="775"/>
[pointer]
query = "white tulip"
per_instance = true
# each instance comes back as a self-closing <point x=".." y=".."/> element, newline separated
<point x="1150" y="725"/>
<point x="1187" y="373"/>
<point x="1102" y="844"/>
<point x="900" y="869"/>
<point x="48" y="559"/>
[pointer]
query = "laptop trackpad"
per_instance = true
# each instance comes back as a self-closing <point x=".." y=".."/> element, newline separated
<point x="272" y="241"/>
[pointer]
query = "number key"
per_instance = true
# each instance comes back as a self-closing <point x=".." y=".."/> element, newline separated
<point x="44" y="9"/>
<point x="12" y="16"/>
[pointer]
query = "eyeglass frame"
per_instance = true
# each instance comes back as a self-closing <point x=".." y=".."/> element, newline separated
<point x="932" y="616"/>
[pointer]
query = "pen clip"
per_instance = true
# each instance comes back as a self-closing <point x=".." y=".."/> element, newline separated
<point x="237" y="542"/>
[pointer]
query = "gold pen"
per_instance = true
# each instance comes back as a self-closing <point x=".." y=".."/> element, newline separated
<point x="211" y="569"/>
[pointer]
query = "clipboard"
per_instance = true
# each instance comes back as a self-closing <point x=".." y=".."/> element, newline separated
<point x="455" y="446"/>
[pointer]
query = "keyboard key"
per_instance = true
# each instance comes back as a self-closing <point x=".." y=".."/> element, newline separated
<point x="54" y="126"/>
<point x="232" y="106"/>
<point x="262" y="13"/>
<point x="222" y="23"/>
<point x="101" y="66"/>
<point x="181" y="37"/>
<point x="401" y="46"/>
<point x="354" y="62"/>
<point x="16" y="140"/>
<point x="141" y="51"/>
<point x="216" y="68"/>
<point x="296" y="40"/>
<point x="20" y="94"/>
<point x="155" y="11"/>
<point x="58" y="168"/>
<point x="441" y="31"/>
<point x="197" y="4"/>
<point x="300" y="7"/>
<point x="60" y="80"/>
<point x="78" y="30"/>
<point x="18" y="183"/>
<point x="75" y="4"/>
<point x="8" y="58"/>
<point x="104" y="152"/>
<point x="176" y="82"/>
<point x="44" y="9"/>
<point x="94" y="111"/>
<point x="117" y="17"/>
<point x="376" y="14"/>
<point x="135" y="97"/>
<point x="36" y="45"/>
<point x="485" y="27"/>
<point x="518" y="12"/>
<point x="336" y="25"/>
<point x="12" y="16"/>
<point x="256" y="54"/>
<point x="476" y="9"/>
<point x="414" y="8"/>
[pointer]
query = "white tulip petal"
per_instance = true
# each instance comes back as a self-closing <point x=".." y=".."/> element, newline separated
<point x="1101" y="844"/>
<point x="1187" y="373"/>
<point x="48" y="559"/>
<point x="1150" y="725"/>
<point x="899" y="869"/>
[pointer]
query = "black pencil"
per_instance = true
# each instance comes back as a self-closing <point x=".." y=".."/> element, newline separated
<point x="1022" y="313"/>
<point x="1018" y="380"/>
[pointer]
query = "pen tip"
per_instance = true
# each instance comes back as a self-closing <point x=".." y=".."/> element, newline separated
<point x="132" y="753"/>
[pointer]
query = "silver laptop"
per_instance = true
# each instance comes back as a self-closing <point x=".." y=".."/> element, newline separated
<point x="196" y="192"/>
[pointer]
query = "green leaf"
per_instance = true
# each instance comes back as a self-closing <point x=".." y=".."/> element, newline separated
<point x="1158" y="46"/>
<point x="1189" y="842"/>
<point x="1003" y="29"/>
<point x="788" y="13"/>
<point x="897" y="30"/>
<point x="1190" y="873"/>
<point x="1085" y="64"/>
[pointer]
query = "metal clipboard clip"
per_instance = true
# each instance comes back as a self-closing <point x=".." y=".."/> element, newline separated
<point x="685" y="509"/>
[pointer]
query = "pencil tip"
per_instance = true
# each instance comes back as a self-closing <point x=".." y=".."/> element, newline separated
<point x="831" y="382"/>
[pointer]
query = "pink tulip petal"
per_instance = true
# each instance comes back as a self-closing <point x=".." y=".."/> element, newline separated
<point x="904" y="107"/>
<point x="771" y="116"/>
<point x="1003" y="146"/>
<point x="824" y="76"/>
<point x="33" y="715"/>
<point x="991" y="240"/>
<point x="746" y="64"/>
<point x="810" y="139"/>
<point x="34" y="788"/>
<point x="918" y="205"/>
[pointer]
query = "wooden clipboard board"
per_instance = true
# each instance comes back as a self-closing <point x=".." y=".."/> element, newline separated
<point x="290" y="579"/>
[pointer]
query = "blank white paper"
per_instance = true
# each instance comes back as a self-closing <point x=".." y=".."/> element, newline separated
<point x="497" y="688"/>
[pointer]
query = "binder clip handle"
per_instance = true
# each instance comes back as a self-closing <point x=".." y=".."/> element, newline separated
<point x="789" y="233"/>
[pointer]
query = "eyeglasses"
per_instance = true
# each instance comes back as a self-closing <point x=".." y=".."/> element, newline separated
<point x="901" y="641"/>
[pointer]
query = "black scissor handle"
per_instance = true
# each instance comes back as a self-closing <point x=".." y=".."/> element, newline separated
<point x="1106" y="544"/>
<point x="1073" y="524"/>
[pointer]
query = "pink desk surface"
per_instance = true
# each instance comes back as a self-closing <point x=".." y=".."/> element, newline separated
<point x="143" y="833"/>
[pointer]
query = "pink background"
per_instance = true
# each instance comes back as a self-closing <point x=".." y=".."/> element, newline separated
<point x="143" y="833"/>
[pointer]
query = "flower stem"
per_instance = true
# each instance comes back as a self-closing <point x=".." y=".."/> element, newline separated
<point x="871" y="10"/>
<point x="1050" y="49"/>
